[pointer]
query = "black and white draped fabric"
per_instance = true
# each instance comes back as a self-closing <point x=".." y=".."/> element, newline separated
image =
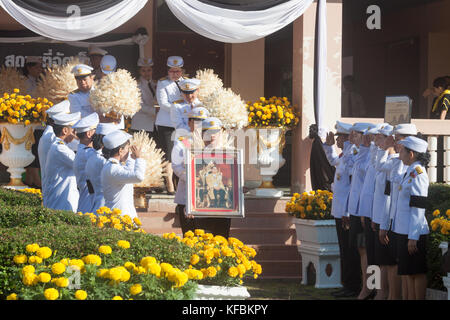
<point x="75" y="21"/>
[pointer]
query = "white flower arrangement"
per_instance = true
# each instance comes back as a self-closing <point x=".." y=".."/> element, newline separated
<point x="155" y="167"/>
<point x="210" y="83"/>
<point x="58" y="82"/>
<point x="228" y="107"/>
<point x="11" y="79"/>
<point x="117" y="93"/>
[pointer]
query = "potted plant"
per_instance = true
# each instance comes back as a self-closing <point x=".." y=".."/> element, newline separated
<point x="316" y="231"/>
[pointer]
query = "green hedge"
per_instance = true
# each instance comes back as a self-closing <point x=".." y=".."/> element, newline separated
<point x="18" y="198"/>
<point x="439" y="198"/>
<point x="72" y="241"/>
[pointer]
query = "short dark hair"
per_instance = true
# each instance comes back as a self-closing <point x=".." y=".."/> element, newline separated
<point x="422" y="157"/>
<point x="81" y="135"/>
<point x="97" y="141"/>
<point x="57" y="129"/>
<point x="441" y="82"/>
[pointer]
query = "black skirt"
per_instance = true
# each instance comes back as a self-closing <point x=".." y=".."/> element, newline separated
<point x="383" y="256"/>
<point x="34" y="149"/>
<point x="411" y="264"/>
<point x="370" y="237"/>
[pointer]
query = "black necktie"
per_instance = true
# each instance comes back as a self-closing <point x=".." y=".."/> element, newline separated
<point x="151" y="88"/>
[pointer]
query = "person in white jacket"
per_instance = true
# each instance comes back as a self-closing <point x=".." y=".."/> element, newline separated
<point x="120" y="173"/>
<point x="62" y="192"/>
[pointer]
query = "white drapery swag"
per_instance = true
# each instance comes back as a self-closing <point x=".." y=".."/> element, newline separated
<point x="234" y="26"/>
<point x="75" y="27"/>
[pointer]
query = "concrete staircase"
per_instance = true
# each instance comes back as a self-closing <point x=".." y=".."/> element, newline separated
<point x="266" y="228"/>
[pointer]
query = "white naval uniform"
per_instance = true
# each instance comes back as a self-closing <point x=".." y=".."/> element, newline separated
<point x="46" y="141"/>
<point x="79" y="169"/>
<point x="146" y="117"/>
<point x="368" y="188"/>
<point x="410" y="217"/>
<point x="358" y="175"/>
<point x="398" y="169"/>
<point x="167" y="92"/>
<point x="94" y="167"/>
<point x="79" y="102"/>
<point x="117" y="181"/>
<point x="62" y="193"/>
<point x="382" y="201"/>
<point x="341" y="184"/>
<point x="179" y="113"/>
<point x="179" y="168"/>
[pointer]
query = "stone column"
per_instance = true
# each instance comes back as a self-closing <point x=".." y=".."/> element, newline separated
<point x="303" y="85"/>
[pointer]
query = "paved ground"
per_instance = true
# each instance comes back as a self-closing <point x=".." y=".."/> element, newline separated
<point x="276" y="289"/>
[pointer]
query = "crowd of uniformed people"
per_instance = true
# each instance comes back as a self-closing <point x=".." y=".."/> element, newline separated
<point x="380" y="191"/>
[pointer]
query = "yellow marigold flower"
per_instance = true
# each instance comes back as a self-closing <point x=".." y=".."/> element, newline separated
<point x="105" y="249"/>
<point x="195" y="259"/>
<point x="211" y="272"/>
<point x="129" y="265"/>
<point x="447" y="213"/>
<point x="62" y="282"/>
<point x="137" y="221"/>
<point x="147" y="261"/>
<point x="81" y="295"/>
<point x="76" y="264"/>
<point x="44" y="252"/>
<point x="92" y="259"/>
<point x="28" y="269"/>
<point x="135" y="289"/>
<point x="44" y="277"/>
<point x="20" y="259"/>
<point x="103" y="273"/>
<point x="51" y="294"/>
<point x="166" y="268"/>
<point x="123" y="244"/>
<point x="30" y="279"/>
<point x="117" y="298"/>
<point x="32" y="248"/>
<point x="115" y="274"/>
<point x="58" y="268"/>
<point x="233" y="272"/>
<point x="154" y="269"/>
<point x="436" y="213"/>
<point x="12" y="296"/>
<point x="34" y="260"/>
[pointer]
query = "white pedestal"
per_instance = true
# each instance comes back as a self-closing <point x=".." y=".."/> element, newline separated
<point x="266" y="192"/>
<point x="319" y="246"/>
<point x="221" y="293"/>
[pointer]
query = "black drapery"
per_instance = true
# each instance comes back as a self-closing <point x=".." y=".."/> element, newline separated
<point x="322" y="173"/>
<point x="58" y="8"/>
<point x="244" y="5"/>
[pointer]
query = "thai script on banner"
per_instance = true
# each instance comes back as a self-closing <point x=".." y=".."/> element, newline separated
<point x="49" y="59"/>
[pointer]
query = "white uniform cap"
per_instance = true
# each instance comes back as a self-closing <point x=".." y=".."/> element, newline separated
<point x="376" y="129"/>
<point x="362" y="126"/>
<point x="33" y="59"/>
<point x="406" y="129"/>
<point x="211" y="123"/>
<point x="105" y="128"/>
<point x="198" y="113"/>
<point x="415" y="144"/>
<point x="175" y="61"/>
<point x="115" y="139"/>
<point x="189" y="85"/>
<point x="343" y="128"/>
<point x="387" y="130"/>
<point x="94" y="50"/>
<point x="108" y="64"/>
<point x="145" y="62"/>
<point x="87" y="123"/>
<point x="62" y="107"/>
<point x="81" y="70"/>
<point x="66" y="119"/>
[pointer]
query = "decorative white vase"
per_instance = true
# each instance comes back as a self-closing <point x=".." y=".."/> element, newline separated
<point x="319" y="246"/>
<point x="16" y="141"/>
<point x="271" y="142"/>
<point x="205" y="292"/>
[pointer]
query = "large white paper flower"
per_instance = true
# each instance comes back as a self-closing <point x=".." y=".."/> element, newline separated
<point x="155" y="167"/>
<point x="58" y="81"/>
<point x="11" y="79"/>
<point x="118" y="93"/>
<point x="228" y="107"/>
<point x="210" y="83"/>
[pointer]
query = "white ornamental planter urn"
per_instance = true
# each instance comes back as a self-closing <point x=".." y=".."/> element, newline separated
<point x="206" y="292"/>
<point x="271" y="142"/>
<point x="319" y="246"/>
<point x="16" y="141"/>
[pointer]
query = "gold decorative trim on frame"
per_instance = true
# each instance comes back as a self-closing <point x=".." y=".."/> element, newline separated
<point x="7" y="139"/>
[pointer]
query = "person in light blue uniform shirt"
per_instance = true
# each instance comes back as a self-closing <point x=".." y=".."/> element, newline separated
<point x="95" y="164"/>
<point x="386" y="236"/>
<point x="120" y="173"/>
<point x="410" y="224"/>
<point x="62" y="192"/>
<point x="47" y="139"/>
<point x="85" y="130"/>
<point x="79" y="99"/>
<point x="356" y="233"/>
<point x="181" y="109"/>
<point x="341" y="189"/>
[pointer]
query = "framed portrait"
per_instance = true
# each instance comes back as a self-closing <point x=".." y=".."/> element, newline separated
<point x="397" y="110"/>
<point x="214" y="183"/>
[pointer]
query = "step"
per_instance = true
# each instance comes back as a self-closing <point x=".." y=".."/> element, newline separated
<point x="280" y="269"/>
<point x="276" y="252"/>
<point x="265" y="235"/>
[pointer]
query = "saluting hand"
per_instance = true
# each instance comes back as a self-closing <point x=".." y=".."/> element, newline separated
<point x="135" y="152"/>
<point x="330" y="139"/>
<point x="412" y="247"/>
